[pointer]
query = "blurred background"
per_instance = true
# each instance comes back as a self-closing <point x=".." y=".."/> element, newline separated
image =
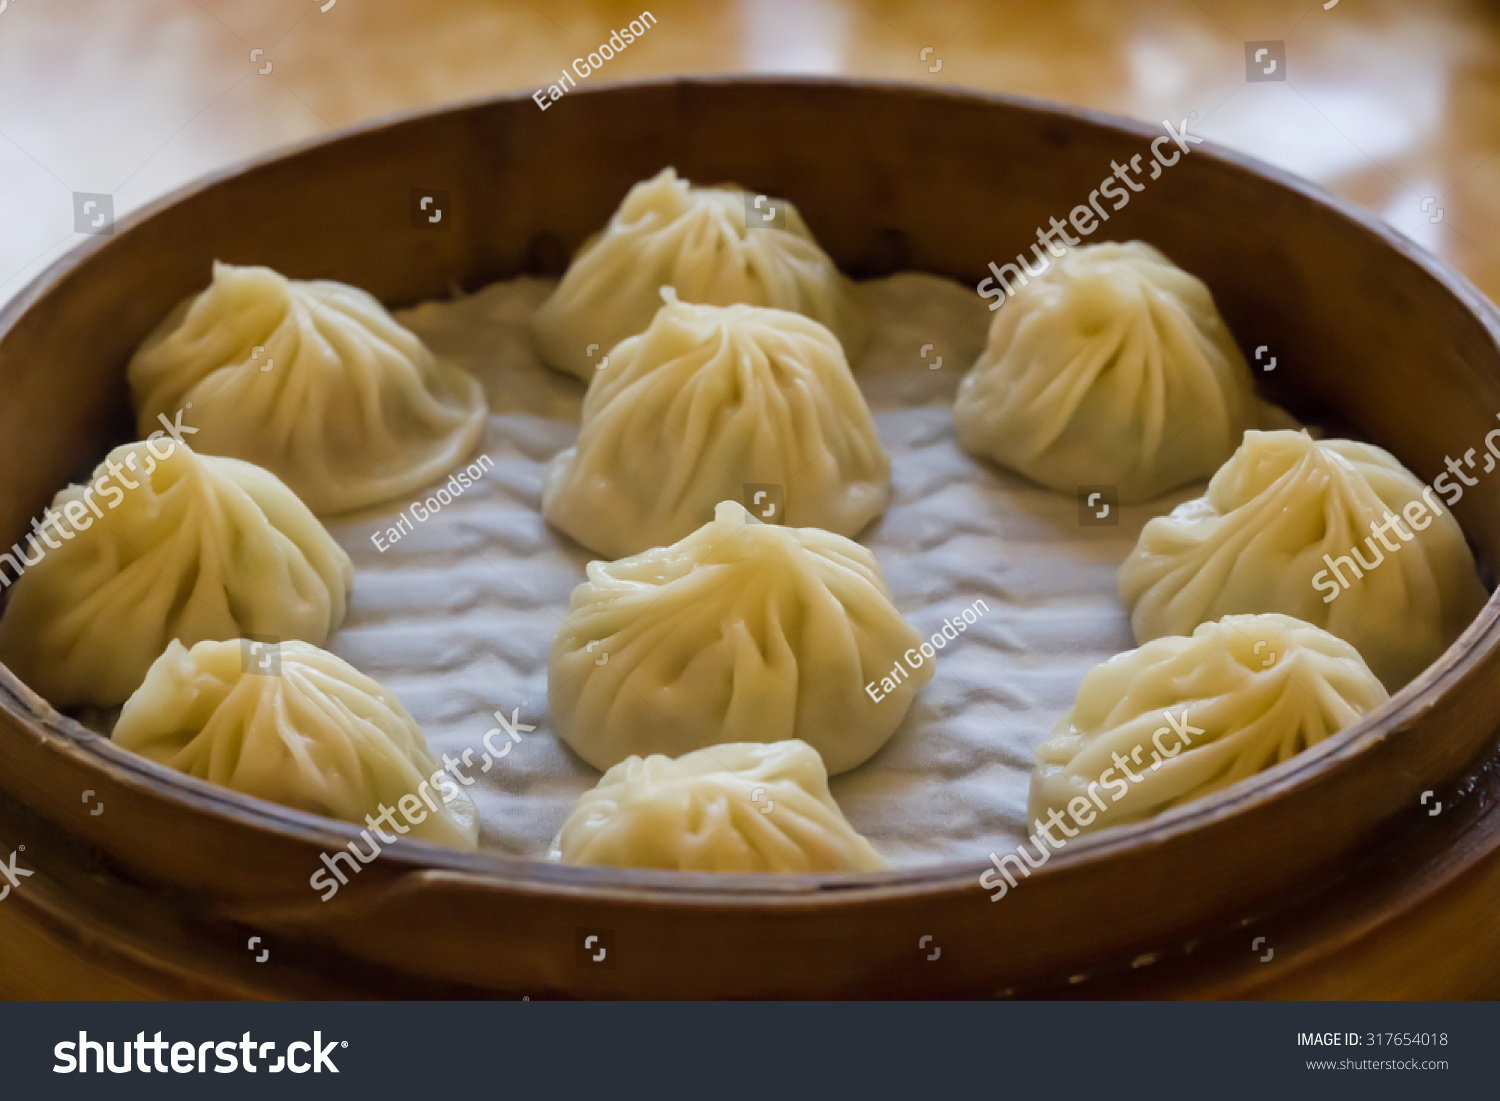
<point x="1393" y="105"/>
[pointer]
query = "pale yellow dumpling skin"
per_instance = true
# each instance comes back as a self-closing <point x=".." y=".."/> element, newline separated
<point x="706" y="401"/>
<point x="298" y="726"/>
<point x="1278" y="520"/>
<point x="1111" y="368"/>
<point x="183" y="546"/>
<point x="311" y="379"/>
<point x="700" y="241"/>
<point x="742" y="807"/>
<point x="1184" y="716"/>
<point x="742" y="632"/>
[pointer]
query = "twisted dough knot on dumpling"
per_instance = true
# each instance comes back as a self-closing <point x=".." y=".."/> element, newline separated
<point x="708" y="400"/>
<point x="313" y="380"/>
<point x="727" y="808"/>
<point x="1181" y="717"/>
<point x="696" y="239"/>
<point x="1112" y="367"/>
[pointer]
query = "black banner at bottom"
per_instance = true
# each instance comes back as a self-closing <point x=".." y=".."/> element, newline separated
<point x="751" y="1049"/>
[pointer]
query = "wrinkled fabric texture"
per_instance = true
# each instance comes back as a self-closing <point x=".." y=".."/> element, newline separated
<point x="459" y="616"/>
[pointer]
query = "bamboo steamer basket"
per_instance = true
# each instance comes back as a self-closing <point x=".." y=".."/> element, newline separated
<point x="1331" y="856"/>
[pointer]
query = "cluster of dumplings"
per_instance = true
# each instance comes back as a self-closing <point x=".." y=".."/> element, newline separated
<point x="301" y="399"/>
<point x="738" y="651"/>
<point x="292" y="400"/>
<point x="1114" y="368"/>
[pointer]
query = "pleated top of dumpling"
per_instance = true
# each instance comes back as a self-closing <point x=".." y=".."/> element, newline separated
<point x="1110" y="368"/>
<point x="1191" y="715"/>
<point x="313" y="380"/>
<point x="295" y="725"/>
<point x="698" y="240"/>
<point x="728" y="808"/>
<point x="1278" y="515"/>
<point x="185" y="546"/>
<point x="741" y="632"/>
<point x="706" y="401"/>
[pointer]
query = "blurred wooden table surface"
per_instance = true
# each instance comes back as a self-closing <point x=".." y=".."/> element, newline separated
<point x="1393" y="105"/>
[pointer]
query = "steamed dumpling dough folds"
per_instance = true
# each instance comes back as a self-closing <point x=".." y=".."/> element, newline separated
<point x="1189" y="716"/>
<point x="706" y="400"/>
<point x="318" y="736"/>
<point x="1112" y="368"/>
<point x="743" y="807"/>
<point x="188" y="546"/>
<point x="669" y="233"/>
<point x="742" y="632"/>
<point x="314" y="381"/>
<point x="1274" y="517"/>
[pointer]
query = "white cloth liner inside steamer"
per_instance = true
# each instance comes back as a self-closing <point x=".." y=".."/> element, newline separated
<point x="457" y="616"/>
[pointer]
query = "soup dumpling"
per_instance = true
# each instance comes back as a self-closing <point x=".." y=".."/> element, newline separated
<point x="1111" y="368"/>
<point x="743" y="807"/>
<point x="309" y="731"/>
<point x="670" y="233"/>
<point x="708" y="400"/>
<point x="313" y="380"/>
<point x="741" y="632"/>
<point x="1183" y="716"/>
<point x="166" y="543"/>
<point x="1289" y="525"/>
